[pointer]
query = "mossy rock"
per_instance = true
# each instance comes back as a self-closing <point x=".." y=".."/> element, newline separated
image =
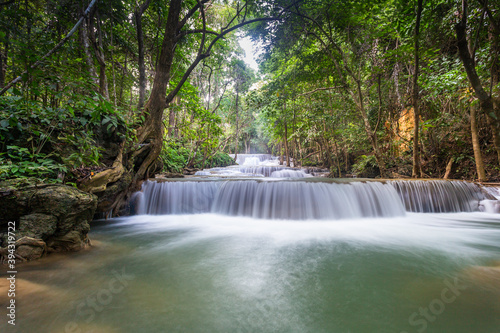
<point x="55" y="214"/>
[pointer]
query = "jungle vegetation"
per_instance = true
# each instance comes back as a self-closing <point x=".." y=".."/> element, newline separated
<point x="99" y="93"/>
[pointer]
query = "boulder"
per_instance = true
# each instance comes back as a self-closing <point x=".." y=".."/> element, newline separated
<point x="54" y="215"/>
<point x="30" y="248"/>
<point x="37" y="225"/>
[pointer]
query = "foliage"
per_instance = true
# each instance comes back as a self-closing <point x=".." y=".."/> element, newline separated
<point x="174" y="157"/>
<point x="335" y="85"/>
<point x="44" y="142"/>
<point x="20" y="163"/>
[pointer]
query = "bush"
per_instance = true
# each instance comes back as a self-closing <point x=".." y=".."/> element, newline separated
<point x="40" y="141"/>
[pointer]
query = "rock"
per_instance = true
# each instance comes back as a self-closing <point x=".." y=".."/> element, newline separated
<point x="190" y="171"/>
<point x="53" y="214"/>
<point x="30" y="248"/>
<point x="37" y="225"/>
<point x="70" y="242"/>
<point x="170" y="175"/>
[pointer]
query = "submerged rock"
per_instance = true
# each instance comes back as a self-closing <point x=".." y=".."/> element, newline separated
<point x="48" y="217"/>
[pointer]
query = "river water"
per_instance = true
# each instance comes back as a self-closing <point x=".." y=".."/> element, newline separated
<point x="376" y="265"/>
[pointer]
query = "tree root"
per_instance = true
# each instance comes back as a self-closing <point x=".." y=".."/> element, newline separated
<point x="98" y="182"/>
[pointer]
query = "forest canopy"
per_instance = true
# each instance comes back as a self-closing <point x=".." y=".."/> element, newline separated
<point x="98" y="93"/>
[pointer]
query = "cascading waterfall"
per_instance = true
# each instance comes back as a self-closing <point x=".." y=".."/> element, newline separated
<point x="303" y="200"/>
<point x="266" y="171"/>
<point x="438" y="196"/>
<point x="287" y="173"/>
<point x="176" y="197"/>
<point x="255" y="171"/>
<point x="253" y="159"/>
<point x="299" y="200"/>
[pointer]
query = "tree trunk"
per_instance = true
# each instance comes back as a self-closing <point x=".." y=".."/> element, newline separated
<point x="285" y="140"/>
<point x="495" y="78"/>
<point x="3" y="60"/>
<point x="486" y="102"/>
<point x="171" y="117"/>
<point x="281" y="153"/>
<point x="417" y="168"/>
<point x="113" y="69"/>
<point x="140" y="44"/>
<point x="103" y="79"/>
<point x="237" y="124"/>
<point x="481" y="174"/>
<point x="372" y="136"/>
<point x="337" y="157"/>
<point x="99" y="53"/>
<point x="151" y="132"/>
<point x="449" y="165"/>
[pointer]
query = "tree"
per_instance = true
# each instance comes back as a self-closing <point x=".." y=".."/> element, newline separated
<point x="489" y="104"/>
<point x="417" y="168"/>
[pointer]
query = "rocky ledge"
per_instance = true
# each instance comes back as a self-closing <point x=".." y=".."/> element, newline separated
<point x="48" y="217"/>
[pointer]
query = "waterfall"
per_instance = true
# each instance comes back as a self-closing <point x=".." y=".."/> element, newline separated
<point x="287" y="173"/>
<point x="266" y="171"/>
<point x="275" y="200"/>
<point x="301" y="200"/>
<point x="438" y="196"/>
<point x="176" y="197"/>
<point x="252" y="159"/>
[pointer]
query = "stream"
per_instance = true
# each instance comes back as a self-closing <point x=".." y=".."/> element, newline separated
<point x="243" y="249"/>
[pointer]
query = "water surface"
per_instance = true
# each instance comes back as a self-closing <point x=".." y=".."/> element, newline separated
<point x="215" y="273"/>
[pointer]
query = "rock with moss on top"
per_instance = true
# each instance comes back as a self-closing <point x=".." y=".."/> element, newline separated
<point x="55" y="214"/>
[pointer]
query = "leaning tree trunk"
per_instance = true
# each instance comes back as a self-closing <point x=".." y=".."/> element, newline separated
<point x="495" y="76"/>
<point x="488" y="105"/>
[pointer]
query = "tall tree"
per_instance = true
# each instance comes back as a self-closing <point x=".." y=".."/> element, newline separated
<point x="139" y="11"/>
<point x="417" y="168"/>
<point x="488" y="103"/>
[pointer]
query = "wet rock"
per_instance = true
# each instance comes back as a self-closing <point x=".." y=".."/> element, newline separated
<point x="30" y="248"/>
<point x="190" y="171"/>
<point x="70" y="242"/>
<point x="170" y="175"/>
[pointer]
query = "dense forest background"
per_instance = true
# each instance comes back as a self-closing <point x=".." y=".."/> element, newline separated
<point x="103" y="94"/>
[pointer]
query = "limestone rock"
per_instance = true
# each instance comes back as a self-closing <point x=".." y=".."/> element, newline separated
<point x="37" y="225"/>
<point x="30" y="248"/>
<point x="70" y="242"/>
<point x="54" y="214"/>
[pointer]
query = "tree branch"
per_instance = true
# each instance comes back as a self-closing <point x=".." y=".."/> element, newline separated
<point x="196" y="31"/>
<point x="316" y="90"/>
<point x="221" y="96"/>
<point x="206" y="54"/>
<point x="190" y="14"/>
<point x="493" y="22"/>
